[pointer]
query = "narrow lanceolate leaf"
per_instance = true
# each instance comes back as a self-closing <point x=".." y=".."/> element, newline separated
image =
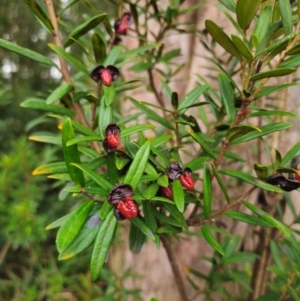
<point x="178" y="195"/>
<point x="51" y="168"/>
<point x="34" y="103"/>
<point x="138" y="165"/>
<point x="295" y="150"/>
<point x="268" y="218"/>
<point x="211" y="240"/>
<point x="246" y="10"/>
<point x="72" y="225"/>
<point x="203" y="145"/>
<point x="152" y="115"/>
<point x="113" y="56"/>
<point x="59" y="92"/>
<point x="39" y="13"/>
<point x="273" y="73"/>
<point x="221" y="38"/>
<point x="221" y="184"/>
<point x="286" y="16"/>
<point x="179" y="217"/>
<point x="191" y="97"/>
<point x="109" y="94"/>
<point x="71" y="153"/>
<point x="26" y="52"/>
<point x="58" y="222"/>
<point x="246" y="218"/>
<point x="102" y="244"/>
<point x="83" y="139"/>
<point x="84" y="239"/>
<point x="83" y="28"/>
<point x="135" y="129"/>
<point x="71" y="59"/>
<point x="264" y="130"/>
<point x="136" y="238"/>
<point x="249" y="179"/>
<point x="143" y="227"/>
<point x="99" y="48"/>
<point x="105" y="117"/>
<point x="101" y="181"/>
<point x="242" y="47"/>
<point x="239" y="131"/>
<point x="207" y="191"/>
<point x="229" y="4"/>
<point x="267" y="90"/>
<point x="227" y="96"/>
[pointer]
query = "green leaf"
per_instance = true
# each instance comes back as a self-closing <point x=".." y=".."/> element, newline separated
<point x="99" y="48"/>
<point x="239" y="131"/>
<point x="150" y="191"/>
<point x="156" y="142"/>
<point x="267" y="90"/>
<point x="246" y="10"/>
<point x="71" y="154"/>
<point x="39" y="13"/>
<point x="268" y="218"/>
<point x="136" y="238"/>
<point x="135" y="129"/>
<point x="152" y="115"/>
<point x="249" y="179"/>
<point x="105" y="117"/>
<point x="178" y="195"/>
<point x="271" y="113"/>
<point x="102" y="244"/>
<point x="69" y="58"/>
<point x="191" y="97"/>
<point x="37" y="104"/>
<point x="167" y="89"/>
<point x="261" y="171"/>
<point x="211" y="240"/>
<point x="59" y="92"/>
<point x="242" y="47"/>
<point x="26" y="52"/>
<point x="196" y="163"/>
<point x="149" y="216"/>
<point x="163" y="181"/>
<point x="101" y="181"/>
<point x="246" y="218"/>
<point x="51" y="168"/>
<point x="221" y="38"/>
<point x="143" y="227"/>
<point x="272" y="73"/>
<point x="286" y="16"/>
<point x="295" y="150"/>
<point x="105" y="209"/>
<point x="169" y="229"/>
<point x="179" y="217"/>
<point x="138" y="165"/>
<point x="46" y="138"/>
<point x="72" y="225"/>
<point x="207" y="191"/>
<point x="133" y="52"/>
<point x="166" y="219"/>
<point x="109" y="94"/>
<point x="265" y="130"/>
<point x="229" y="4"/>
<point x="84" y="239"/>
<point x="262" y="25"/>
<point x="276" y="255"/>
<point x="112" y="56"/>
<point x="203" y="145"/>
<point x="83" y="28"/>
<point x="83" y="139"/>
<point x="58" y="222"/>
<point x="227" y="96"/>
<point x="221" y="184"/>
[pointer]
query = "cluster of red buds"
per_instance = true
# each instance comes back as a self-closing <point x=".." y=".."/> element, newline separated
<point x="105" y="74"/>
<point x="121" y="198"/>
<point x="175" y="171"/>
<point x="112" y="138"/>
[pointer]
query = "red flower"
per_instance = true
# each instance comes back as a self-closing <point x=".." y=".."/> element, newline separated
<point x="106" y="75"/>
<point x="186" y="179"/>
<point x="122" y="25"/>
<point x="167" y="192"/>
<point x="112" y="138"/>
<point x="128" y="208"/>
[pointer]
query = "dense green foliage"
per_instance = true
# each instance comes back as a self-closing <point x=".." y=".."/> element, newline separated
<point x="95" y="143"/>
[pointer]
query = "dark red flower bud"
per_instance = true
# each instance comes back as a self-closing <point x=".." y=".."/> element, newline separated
<point x="118" y="215"/>
<point x="112" y="139"/>
<point x="128" y="208"/>
<point x="106" y="75"/>
<point x="167" y="192"/>
<point x="245" y="112"/>
<point x="122" y="25"/>
<point x="119" y="192"/>
<point x="186" y="179"/>
<point x="282" y="182"/>
<point x="174" y="171"/>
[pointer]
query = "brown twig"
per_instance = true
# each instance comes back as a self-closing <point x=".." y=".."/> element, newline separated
<point x="64" y="67"/>
<point x="199" y="222"/>
<point x="175" y="268"/>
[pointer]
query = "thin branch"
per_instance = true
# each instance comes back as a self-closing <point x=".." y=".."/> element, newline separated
<point x="64" y="67"/>
<point x="5" y="250"/>
<point x="175" y="268"/>
<point x="196" y="222"/>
